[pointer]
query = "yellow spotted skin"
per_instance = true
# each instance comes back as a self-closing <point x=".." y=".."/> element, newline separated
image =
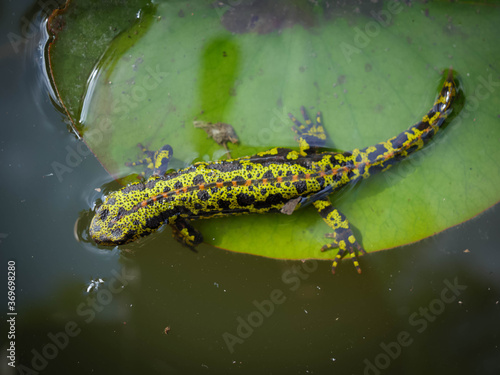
<point x="277" y="180"/>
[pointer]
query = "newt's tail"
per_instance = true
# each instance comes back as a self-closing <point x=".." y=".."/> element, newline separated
<point x="381" y="156"/>
<point x="434" y="119"/>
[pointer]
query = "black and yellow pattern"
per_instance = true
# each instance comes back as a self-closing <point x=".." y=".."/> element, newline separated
<point x="278" y="180"/>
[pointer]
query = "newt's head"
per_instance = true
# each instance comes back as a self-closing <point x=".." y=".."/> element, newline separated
<point x="107" y="228"/>
<point x="128" y="214"/>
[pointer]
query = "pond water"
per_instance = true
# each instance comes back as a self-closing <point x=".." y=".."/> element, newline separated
<point x="431" y="307"/>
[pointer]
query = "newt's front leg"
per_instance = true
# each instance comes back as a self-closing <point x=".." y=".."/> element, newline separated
<point x="343" y="238"/>
<point x="185" y="233"/>
<point x="156" y="161"/>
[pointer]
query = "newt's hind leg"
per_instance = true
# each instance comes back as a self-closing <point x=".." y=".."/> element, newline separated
<point x="343" y="238"/>
<point x="156" y="161"/>
<point x="310" y="134"/>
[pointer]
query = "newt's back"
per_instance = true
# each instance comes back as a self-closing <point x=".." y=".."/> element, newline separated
<point x="276" y="180"/>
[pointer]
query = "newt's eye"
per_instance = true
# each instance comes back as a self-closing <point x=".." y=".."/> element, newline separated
<point x="104" y="214"/>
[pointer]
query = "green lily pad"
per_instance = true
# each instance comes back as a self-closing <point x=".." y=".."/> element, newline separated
<point x="373" y="71"/>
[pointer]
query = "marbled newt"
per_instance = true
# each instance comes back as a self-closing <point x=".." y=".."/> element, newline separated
<point x="278" y="180"/>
